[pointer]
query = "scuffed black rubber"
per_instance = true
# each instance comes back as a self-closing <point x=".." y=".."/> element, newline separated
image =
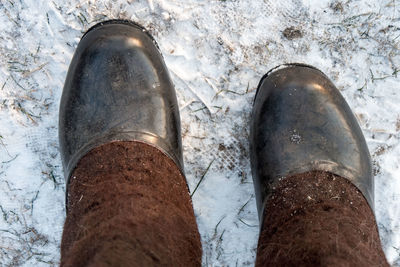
<point x="122" y="21"/>
<point x="117" y="89"/>
<point x="300" y="122"/>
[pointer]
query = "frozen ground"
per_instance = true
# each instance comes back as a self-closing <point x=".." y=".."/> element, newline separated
<point x="216" y="52"/>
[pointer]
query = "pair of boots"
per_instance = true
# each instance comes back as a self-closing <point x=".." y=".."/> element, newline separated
<point x="127" y="197"/>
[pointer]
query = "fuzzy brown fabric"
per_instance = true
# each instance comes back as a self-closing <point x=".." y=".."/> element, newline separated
<point x="129" y="206"/>
<point x="318" y="219"/>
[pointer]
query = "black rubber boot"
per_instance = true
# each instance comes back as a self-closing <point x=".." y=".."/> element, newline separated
<point x="127" y="201"/>
<point x="117" y="89"/>
<point x="301" y="123"/>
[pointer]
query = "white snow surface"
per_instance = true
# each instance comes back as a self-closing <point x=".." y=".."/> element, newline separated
<point x="216" y="52"/>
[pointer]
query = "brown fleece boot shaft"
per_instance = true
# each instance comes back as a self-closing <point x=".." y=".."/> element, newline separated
<point x="318" y="219"/>
<point x="129" y="206"/>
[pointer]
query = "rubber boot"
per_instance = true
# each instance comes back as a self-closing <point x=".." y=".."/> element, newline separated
<point x="127" y="199"/>
<point x="117" y="89"/>
<point x="300" y="123"/>
<point x="312" y="174"/>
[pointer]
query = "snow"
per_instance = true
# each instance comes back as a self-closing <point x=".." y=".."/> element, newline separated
<point x="216" y="52"/>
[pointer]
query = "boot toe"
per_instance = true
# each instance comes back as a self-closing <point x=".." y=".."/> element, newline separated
<point x="300" y="123"/>
<point x="117" y="89"/>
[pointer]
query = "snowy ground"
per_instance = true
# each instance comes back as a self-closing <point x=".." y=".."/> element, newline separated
<point x="216" y="52"/>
